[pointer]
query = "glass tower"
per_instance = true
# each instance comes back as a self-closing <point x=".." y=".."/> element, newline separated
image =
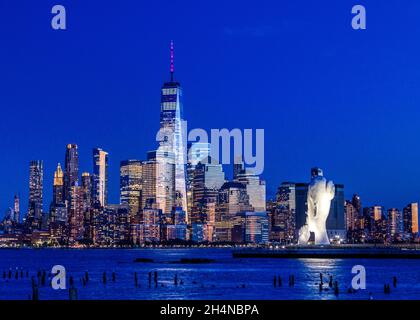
<point x="131" y="179"/>
<point x="36" y="180"/>
<point x="71" y="174"/>
<point x="172" y="147"/>
<point x="100" y="176"/>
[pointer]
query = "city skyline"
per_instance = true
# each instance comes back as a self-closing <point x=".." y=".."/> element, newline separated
<point x="214" y="79"/>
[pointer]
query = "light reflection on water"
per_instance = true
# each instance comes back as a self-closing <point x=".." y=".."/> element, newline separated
<point x="226" y="278"/>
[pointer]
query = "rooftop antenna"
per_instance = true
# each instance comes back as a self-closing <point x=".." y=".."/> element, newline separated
<point x="172" y="68"/>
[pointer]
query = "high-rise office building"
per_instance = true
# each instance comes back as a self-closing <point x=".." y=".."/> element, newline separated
<point x="16" y="208"/>
<point x="301" y="190"/>
<point x="149" y="179"/>
<point x="232" y="200"/>
<point x="207" y="180"/>
<point x="71" y="169"/>
<point x="411" y="220"/>
<point x="87" y="206"/>
<point x="336" y="225"/>
<point x="100" y="176"/>
<point x="351" y="216"/>
<point x="283" y="214"/>
<point x="197" y="152"/>
<point x="58" y="186"/>
<point x="171" y="151"/>
<point x="378" y="224"/>
<point x="395" y="223"/>
<point x="131" y="182"/>
<point x="58" y="208"/>
<point x="357" y="204"/>
<point x="76" y="214"/>
<point x="256" y="227"/>
<point x="152" y="217"/>
<point x="355" y="220"/>
<point x="116" y="230"/>
<point x="232" y="203"/>
<point x="36" y="183"/>
<point x="255" y="187"/>
<point x="162" y="180"/>
<point x="87" y="190"/>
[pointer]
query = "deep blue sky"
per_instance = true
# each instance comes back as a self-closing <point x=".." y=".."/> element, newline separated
<point x="326" y="95"/>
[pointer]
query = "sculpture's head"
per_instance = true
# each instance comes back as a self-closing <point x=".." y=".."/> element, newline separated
<point x="321" y="193"/>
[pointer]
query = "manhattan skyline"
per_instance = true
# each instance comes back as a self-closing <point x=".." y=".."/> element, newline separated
<point x="113" y="93"/>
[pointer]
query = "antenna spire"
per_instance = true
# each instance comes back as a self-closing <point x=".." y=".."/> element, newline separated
<point x="172" y="68"/>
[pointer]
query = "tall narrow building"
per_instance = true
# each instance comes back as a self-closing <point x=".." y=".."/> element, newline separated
<point x="36" y="181"/>
<point x="87" y="189"/>
<point x="255" y="187"/>
<point x="16" y="208"/>
<point x="100" y="176"/>
<point x="58" y="186"/>
<point x="76" y="214"/>
<point x="283" y="214"/>
<point x="131" y="181"/>
<point x="171" y="142"/>
<point x="207" y="179"/>
<point x="411" y="220"/>
<point x="71" y="170"/>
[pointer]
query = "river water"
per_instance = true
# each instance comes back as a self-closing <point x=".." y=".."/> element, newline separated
<point x="224" y="278"/>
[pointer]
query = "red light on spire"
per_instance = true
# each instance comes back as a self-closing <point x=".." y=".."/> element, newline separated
<point x="172" y="68"/>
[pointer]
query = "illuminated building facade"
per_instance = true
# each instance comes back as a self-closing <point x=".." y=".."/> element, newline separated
<point x="131" y="182"/>
<point x="411" y="220"/>
<point x="76" y="214"/>
<point x="100" y="176"/>
<point x="36" y="185"/>
<point x="283" y="214"/>
<point x="71" y="170"/>
<point x="171" y="151"/>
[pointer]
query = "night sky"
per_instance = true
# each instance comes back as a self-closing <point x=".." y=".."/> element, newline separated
<point x="326" y="95"/>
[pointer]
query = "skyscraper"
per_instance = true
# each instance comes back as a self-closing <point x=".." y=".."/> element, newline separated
<point x="301" y="204"/>
<point x="394" y="224"/>
<point x="149" y="179"/>
<point x="58" y="186"/>
<point x="87" y="189"/>
<point x="88" y="210"/>
<point x="171" y="136"/>
<point x="336" y="225"/>
<point x="378" y="224"/>
<point x="16" y="208"/>
<point x="283" y="214"/>
<point x="207" y="180"/>
<point x="76" y="214"/>
<point x="100" y="176"/>
<point x="411" y="220"/>
<point x="71" y="170"/>
<point x="197" y="152"/>
<point x="151" y="222"/>
<point x="255" y="187"/>
<point x="163" y="179"/>
<point x="256" y="227"/>
<point x="36" y="181"/>
<point x="131" y="180"/>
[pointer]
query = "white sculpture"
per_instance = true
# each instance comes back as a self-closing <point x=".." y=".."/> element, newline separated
<point x="320" y="194"/>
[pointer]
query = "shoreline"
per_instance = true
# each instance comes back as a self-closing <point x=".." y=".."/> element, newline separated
<point x="330" y="253"/>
